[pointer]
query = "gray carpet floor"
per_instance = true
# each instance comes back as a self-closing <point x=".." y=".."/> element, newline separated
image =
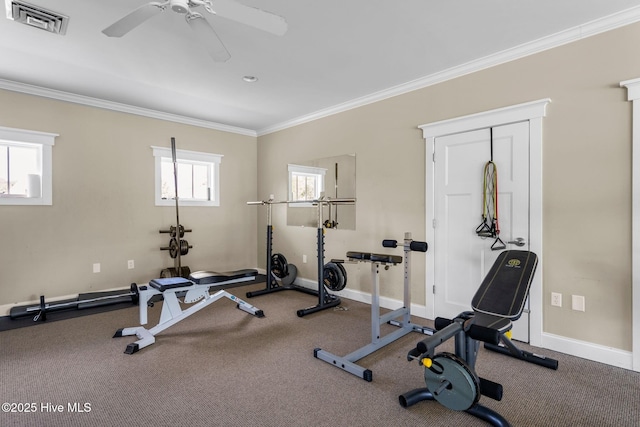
<point x="224" y="367"/>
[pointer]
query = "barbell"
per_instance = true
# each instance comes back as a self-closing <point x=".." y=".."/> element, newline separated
<point x="174" y="247"/>
<point x="172" y="231"/>
<point x="43" y="308"/>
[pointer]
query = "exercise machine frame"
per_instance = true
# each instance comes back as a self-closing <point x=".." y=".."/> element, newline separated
<point x="325" y="298"/>
<point x="462" y="389"/>
<point x="451" y="378"/>
<point x="172" y="312"/>
<point x="400" y="317"/>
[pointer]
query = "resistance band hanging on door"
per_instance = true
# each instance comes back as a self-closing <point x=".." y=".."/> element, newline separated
<point x="490" y="226"/>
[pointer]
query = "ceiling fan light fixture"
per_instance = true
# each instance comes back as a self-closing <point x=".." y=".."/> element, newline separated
<point x="180" y="6"/>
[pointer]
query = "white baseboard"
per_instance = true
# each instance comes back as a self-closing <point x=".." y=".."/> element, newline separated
<point x="590" y="351"/>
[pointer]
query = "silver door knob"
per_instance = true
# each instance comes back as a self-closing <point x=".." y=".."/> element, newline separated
<point x="518" y="242"/>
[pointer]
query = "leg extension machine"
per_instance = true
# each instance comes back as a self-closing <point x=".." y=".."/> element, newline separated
<point x="400" y="317"/>
<point x="195" y="290"/>
<point x="451" y="379"/>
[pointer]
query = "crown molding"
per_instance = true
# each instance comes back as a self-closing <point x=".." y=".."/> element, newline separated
<point x="115" y="106"/>
<point x="580" y="32"/>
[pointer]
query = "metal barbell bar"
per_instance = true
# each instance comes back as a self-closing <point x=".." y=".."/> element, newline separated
<point x="42" y="309"/>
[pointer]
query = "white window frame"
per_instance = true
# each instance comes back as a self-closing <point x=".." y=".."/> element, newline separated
<point x="43" y="142"/>
<point x="189" y="156"/>
<point x="306" y="170"/>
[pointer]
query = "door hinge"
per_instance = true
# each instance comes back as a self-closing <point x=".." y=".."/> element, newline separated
<point x="433" y="157"/>
<point x="434" y="289"/>
<point x="433" y="223"/>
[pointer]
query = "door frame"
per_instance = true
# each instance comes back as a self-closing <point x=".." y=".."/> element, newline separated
<point x="633" y="95"/>
<point x="533" y="112"/>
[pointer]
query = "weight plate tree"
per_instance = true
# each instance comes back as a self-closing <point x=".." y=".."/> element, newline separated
<point x="177" y="246"/>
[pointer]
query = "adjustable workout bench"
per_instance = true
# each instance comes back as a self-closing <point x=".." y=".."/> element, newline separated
<point x="451" y="378"/>
<point x="194" y="289"/>
<point x="400" y="317"/>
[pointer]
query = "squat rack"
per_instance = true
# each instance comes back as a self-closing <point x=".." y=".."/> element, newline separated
<point x="325" y="299"/>
<point x="272" y="284"/>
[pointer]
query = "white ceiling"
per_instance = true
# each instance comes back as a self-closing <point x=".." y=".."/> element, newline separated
<point x="336" y="53"/>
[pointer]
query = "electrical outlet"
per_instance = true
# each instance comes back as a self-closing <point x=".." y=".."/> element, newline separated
<point x="577" y="302"/>
<point x="96" y="267"/>
<point x="130" y="264"/>
<point x="556" y="299"/>
<point x="304" y="259"/>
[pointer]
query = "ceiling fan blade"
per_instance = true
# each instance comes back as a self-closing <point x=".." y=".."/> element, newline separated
<point x="208" y="37"/>
<point x="135" y="18"/>
<point x="254" y="17"/>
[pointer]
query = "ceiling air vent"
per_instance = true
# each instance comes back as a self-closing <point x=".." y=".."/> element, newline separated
<point x="36" y="16"/>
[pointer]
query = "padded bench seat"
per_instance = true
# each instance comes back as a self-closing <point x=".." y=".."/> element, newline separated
<point x="169" y="283"/>
<point x="504" y="290"/>
<point x="207" y="277"/>
<point x="382" y="258"/>
<point x="500" y="324"/>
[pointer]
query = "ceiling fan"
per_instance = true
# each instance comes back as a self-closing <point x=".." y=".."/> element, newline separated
<point x="205" y="33"/>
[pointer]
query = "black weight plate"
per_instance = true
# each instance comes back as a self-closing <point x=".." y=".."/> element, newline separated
<point x="173" y="248"/>
<point x="344" y="274"/>
<point x="291" y="275"/>
<point x="184" y="247"/>
<point x="279" y="266"/>
<point x="135" y="294"/>
<point x="333" y="277"/>
<point x="185" y="270"/>
<point x="453" y="383"/>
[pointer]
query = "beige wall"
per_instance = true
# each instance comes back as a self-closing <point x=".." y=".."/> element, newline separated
<point x="103" y="203"/>
<point x="586" y="174"/>
<point x="103" y="208"/>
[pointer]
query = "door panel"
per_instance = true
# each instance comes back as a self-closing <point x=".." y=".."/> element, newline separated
<point x="462" y="259"/>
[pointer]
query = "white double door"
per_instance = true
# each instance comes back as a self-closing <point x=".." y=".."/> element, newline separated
<point x="461" y="257"/>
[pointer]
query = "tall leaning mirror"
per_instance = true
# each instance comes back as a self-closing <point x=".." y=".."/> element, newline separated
<point x="335" y="177"/>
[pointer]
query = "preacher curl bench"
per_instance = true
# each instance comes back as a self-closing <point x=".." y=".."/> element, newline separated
<point x="195" y="289"/>
<point x="451" y="379"/>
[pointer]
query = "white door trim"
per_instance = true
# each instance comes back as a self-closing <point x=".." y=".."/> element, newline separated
<point x="633" y="95"/>
<point x="533" y="112"/>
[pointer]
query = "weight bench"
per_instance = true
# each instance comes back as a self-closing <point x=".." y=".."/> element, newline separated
<point x="451" y="379"/>
<point x="194" y="290"/>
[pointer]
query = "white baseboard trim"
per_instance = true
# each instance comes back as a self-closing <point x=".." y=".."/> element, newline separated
<point x="590" y="351"/>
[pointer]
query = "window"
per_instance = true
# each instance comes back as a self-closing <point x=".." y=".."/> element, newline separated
<point x="25" y="167"/>
<point x="198" y="178"/>
<point x="305" y="183"/>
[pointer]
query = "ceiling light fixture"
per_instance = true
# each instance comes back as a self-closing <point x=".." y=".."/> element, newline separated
<point x="250" y="79"/>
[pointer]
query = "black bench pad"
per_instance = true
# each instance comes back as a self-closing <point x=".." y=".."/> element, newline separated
<point x="501" y="324"/>
<point x="366" y="256"/>
<point x="169" y="283"/>
<point x="207" y="277"/>
<point x="504" y="290"/>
